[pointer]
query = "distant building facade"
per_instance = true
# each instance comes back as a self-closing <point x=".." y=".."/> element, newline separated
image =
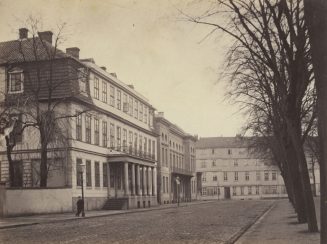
<point x="111" y="142"/>
<point x="176" y="162"/>
<point x="227" y="170"/>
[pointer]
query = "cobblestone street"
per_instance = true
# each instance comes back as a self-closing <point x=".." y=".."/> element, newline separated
<point x="212" y="222"/>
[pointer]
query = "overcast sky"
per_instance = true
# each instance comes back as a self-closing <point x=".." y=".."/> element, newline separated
<point x="147" y="45"/>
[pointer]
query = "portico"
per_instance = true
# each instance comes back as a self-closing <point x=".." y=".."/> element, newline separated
<point x="132" y="179"/>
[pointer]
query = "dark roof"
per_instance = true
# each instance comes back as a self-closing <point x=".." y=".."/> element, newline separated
<point x="23" y="50"/>
<point x="222" y="142"/>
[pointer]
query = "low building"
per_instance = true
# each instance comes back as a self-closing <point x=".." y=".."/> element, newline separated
<point x="227" y="169"/>
<point x="107" y="126"/>
<point x="176" y="162"/>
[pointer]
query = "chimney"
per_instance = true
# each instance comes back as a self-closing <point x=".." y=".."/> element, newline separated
<point x="46" y="36"/>
<point x="73" y="51"/>
<point x="104" y="68"/>
<point x="23" y="33"/>
<point x="131" y="86"/>
<point x="114" y="74"/>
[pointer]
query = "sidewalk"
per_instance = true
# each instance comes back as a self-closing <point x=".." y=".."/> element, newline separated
<point x="12" y="222"/>
<point x="279" y="226"/>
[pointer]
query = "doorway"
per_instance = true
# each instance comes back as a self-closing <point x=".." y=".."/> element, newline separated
<point x="227" y="192"/>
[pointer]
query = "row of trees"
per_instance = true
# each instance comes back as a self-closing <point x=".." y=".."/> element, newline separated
<point x="274" y="69"/>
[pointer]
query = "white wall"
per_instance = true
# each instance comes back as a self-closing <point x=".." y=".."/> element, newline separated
<point x="36" y="201"/>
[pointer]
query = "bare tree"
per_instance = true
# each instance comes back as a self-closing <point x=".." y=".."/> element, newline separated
<point x="49" y="84"/>
<point x="272" y="63"/>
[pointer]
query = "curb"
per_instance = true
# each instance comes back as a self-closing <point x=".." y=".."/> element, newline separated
<point x="99" y="216"/>
<point x="244" y="229"/>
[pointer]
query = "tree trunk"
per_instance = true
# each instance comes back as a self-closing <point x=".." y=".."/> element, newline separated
<point x="10" y="162"/>
<point x="44" y="160"/>
<point x="294" y="130"/>
<point x="316" y="19"/>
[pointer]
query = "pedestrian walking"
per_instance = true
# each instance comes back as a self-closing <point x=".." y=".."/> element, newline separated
<point x="80" y="205"/>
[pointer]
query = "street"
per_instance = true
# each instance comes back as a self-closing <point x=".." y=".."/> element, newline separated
<point x="210" y="222"/>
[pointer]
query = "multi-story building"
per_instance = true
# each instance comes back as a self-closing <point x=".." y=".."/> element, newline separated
<point x="227" y="169"/>
<point x="108" y="126"/>
<point x="176" y="162"/>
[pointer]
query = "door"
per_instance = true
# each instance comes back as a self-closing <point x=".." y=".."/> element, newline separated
<point x="227" y="192"/>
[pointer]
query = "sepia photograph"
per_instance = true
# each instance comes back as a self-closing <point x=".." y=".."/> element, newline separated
<point x="163" y="121"/>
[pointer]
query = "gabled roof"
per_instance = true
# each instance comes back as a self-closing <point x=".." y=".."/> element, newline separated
<point x="27" y="50"/>
<point x="222" y="142"/>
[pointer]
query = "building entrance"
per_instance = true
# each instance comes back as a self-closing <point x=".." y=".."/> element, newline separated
<point x="227" y="192"/>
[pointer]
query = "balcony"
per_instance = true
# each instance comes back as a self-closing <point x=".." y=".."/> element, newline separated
<point x="131" y="151"/>
<point x="180" y="171"/>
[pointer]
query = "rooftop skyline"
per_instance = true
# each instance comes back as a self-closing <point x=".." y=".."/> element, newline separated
<point x="147" y="45"/>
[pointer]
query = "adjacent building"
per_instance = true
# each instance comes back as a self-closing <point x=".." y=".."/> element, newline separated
<point x="176" y="162"/>
<point x="227" y="169"/>
<point x="109" y="138"/>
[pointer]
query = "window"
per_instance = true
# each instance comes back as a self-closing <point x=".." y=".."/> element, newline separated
<point x="204" y="191"/>
<point x="97" y="174"/>
<point x="140" y="145"/>
<point x="119" y="99"/>
<point x="112" y="178"/>
<point x="266" y="175"/>
<point x="124" y="140"/>
<point x="105" y="175"/>
<point x="274" y="189"/>
<point x="130" y="140"/>
<point x="79" y="127"/>
<point x="212" y="151"/>
<point x="235" y="163"/>
<point x="236" y="176"/>
<point x="130" y="111"/>
<point x="204" y="179"/>
<point x="145" y="114"/>
<point x="250" y="190"/>
<point x="234" y="190"/>
<point x="88" y="128"/>
<point x="104" y="91"/>
<point x="257" y="190"/>
<point x="213" y="163"/>
<point x="104" y="134"/>
<point x="136" y="109"/>
<point x="229" y="151"/>
<point x="225" y="176"/>
<point x="203" y="164"/>
<point x="78" y="172"/>
<point x="215" y="178"/>
<point x="247" y="176"/>
<point x="88" y="173"/>
<point x="145" y="148"/>
<point x="162" y="156"/>
<point x="118" y="138"/>
<point x="163" y="184"/>
<point x="274" y="175"/>
<point x="96" y="87"/>
<point x="141" y="112"/>
<point x="258" y="176"/>
<point x="135" y="142"/>
<point x="242" y="190"/>
<point x="96" y="131"/>
<point x="16" y="82"/>
<point x="112" y="96"/>
<point x="125" y="103"/>
<point x="112" y="135"/>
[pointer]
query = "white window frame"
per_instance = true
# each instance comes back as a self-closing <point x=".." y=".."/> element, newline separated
<point x="10" y="83"/>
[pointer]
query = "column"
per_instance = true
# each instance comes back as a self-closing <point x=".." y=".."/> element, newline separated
<point x="138" y="180"/>
<point x="126" y="179"/>
<point x="133" y="180"/>
<point x="108" y="178"/>
<point x="144" y="182"/>
<point x="149" y="181"/>
<point x="154" y="177"/>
